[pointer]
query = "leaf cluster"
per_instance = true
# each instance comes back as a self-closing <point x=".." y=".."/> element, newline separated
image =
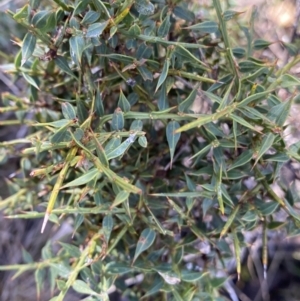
<point x="148" y="125"/>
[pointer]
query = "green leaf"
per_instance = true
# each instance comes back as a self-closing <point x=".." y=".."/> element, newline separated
<point x="71" y="249"/>
<point x="60" y="134"/>
<point x="90" y="17"/>
<point x="27" y="258"/>
<point x="266" y="143"/>
<point x="291" y="48"/>
<point x="145" y="73"/>
<point x="117" y="122"/>
<point x="163" y="74"/>
<point x="186" y="104"/>
<point x="143" y="141"/>
<point x="183" y="13"/>
<point x="205" y="27"/>
<point x="112" y="144"/>
<point x="164" y="27"/>
<point x="144" y="7"/>
<point x="100" y="150"/>
<point x="230" y="14"/>
<point x="243" y="159"/>
<point x="190" y="276"/>
<point x="266" y="208"/>
<point x="243" y="122"/>
<point x="39" y="20"/>
<point x="62" y="64"/>
<point x="172" y="138"/>
<point x="22" y="13"/>
<point x="230" y="220"/>
<point x="279" y="113"/>
<point x="121" y="197"/>
<point x="68" y="111"/>
<point x="28" y="46"/>
<point x="96" y="29"/>
<point x="77" y="45"/>
<point x="99" y="104"/>
<point x="82" y="112"/>
<point x="137" y="125"/>
<point x="170" y="278"/>
<point x="288" y="80"/>
<point x="85" y="178"/>
<point x="107" y="226"/>
<point x="239" y="52"/>
<point x="145" y="241"/>
<point x="162" y="102"/>
<point x="39" y="276"/>
<point x="253" y="98"/>
<point x="30" y="80"/>
<point x="123" y="103"/>
<point x="120" y="149"/>
<point x="261" y="44"/>
<point x="188" y="56"/>
<point x="81" y="287"/>
<point x="119" y="268"/>
<point x="81" y="7"/>
<point x="155" y="288"/>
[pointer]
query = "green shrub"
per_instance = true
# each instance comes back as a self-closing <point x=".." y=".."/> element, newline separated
<point x="147" y="124"/>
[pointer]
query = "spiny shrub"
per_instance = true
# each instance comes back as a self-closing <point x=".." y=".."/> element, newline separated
<point x="146" y="123"/>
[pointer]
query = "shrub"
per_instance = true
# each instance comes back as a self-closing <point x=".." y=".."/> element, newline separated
<point x="148" y="124"/>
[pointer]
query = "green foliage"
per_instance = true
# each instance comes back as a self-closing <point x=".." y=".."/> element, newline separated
<point x="121" y="148"/>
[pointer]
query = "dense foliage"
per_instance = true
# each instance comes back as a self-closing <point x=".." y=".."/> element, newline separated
<point x="157" y="134"/>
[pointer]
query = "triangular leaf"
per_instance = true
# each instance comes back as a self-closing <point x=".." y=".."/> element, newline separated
<point x="172" y="137"/>
<point x="145" y="241"/>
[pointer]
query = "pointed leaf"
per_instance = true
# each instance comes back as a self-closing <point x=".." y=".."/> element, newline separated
<point x="68" y="111"/>
<point x="119" y="150"/>
<point x="253" y="98"/>
<point x="85" y="178"/>
<point x="99" y="104"/>
<point x="261" y="44"/>
<point x="164" y="27"/>
<point x="172" y="137"/>
<point x="90" y="17"/>
<point x="145" y="241"/>
<point x="163" y="74"/>
<point x="279" y="113"/>
<point x="60" y="134"/>
<point x="107" y="226"/>
<point x="121" y="197"/>
<point x="123" y="103"/>
<point x="62" y="64"/>
<point x="82" y="112"/>
<point x="28" y="46"/>
<point x="267" y="142"/>
<point x="288" y="80"/>
<point x="81" y="287"/>
<point x="96" y="29"/>
<point x="243" y="159"/>
<point x="162" y="102"/>
<point x="229" y="14"/>
<point x="243" y="122"/>
<point x="205" y="27"/>
<point x="77" y="45"/>
<point x="183" y="13"/>
<point x="186" y="104"/>
<point x="30" y="80"/>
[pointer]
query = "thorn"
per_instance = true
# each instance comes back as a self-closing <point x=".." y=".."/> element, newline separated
<point x="46" y="218"/>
